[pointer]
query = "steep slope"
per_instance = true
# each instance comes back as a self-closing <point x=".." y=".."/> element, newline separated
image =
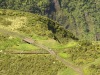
<point x="43" y="30"/>
<point x="34" y="24"/>
<point x="80" y="17"/>
<point x="15" y="23"/>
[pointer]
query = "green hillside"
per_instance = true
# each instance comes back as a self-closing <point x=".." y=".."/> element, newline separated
<point x="34" y="24"/>
<point x="16" y="25"/>
<point x="81" y="17"/>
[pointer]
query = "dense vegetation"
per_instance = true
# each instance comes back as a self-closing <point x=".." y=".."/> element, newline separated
<point x="29" y="65"/>
<point x="80" y="17"/>
<point x="85" y="52"/>
<point x="34" y="24"/>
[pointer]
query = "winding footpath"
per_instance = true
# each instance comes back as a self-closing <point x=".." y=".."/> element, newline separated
<point x="33" y="42"/>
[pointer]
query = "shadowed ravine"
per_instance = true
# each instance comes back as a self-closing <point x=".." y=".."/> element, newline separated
<point x="33" y="42"/>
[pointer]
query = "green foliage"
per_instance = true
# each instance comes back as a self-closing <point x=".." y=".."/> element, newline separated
<point x="72" y="44"/>
<point x="7" y="42"/>
<point x="95" y="70"/>
<point x="25" y="47"/>
<point x="84" y="53"/>
<point x="92" y="68"/>
<point x="80" y="17"/>
<point x="29" y="65"/>
<point x="64" y="55"/>
<point x="85" y="43"/>
<point x="5" y="22"/>
<point x="36" y="24"/>
<point x="67" y="72"/>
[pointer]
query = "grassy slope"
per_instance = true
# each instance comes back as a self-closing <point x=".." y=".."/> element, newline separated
<point x="29" y="65"/>
<point x="34" y="24"/>
<point x="36" y="27"/>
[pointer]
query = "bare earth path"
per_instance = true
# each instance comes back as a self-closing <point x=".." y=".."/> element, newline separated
<point x="33" y="42"/>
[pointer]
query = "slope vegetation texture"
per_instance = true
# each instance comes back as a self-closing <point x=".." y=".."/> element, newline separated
<point x="82" y="17"/>
<point x="78" y="57"/>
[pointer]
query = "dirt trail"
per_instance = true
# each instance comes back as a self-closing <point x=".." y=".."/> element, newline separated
<point x="65" y="62"/>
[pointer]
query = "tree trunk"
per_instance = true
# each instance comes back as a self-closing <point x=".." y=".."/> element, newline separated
<point x="57" y="5"/>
